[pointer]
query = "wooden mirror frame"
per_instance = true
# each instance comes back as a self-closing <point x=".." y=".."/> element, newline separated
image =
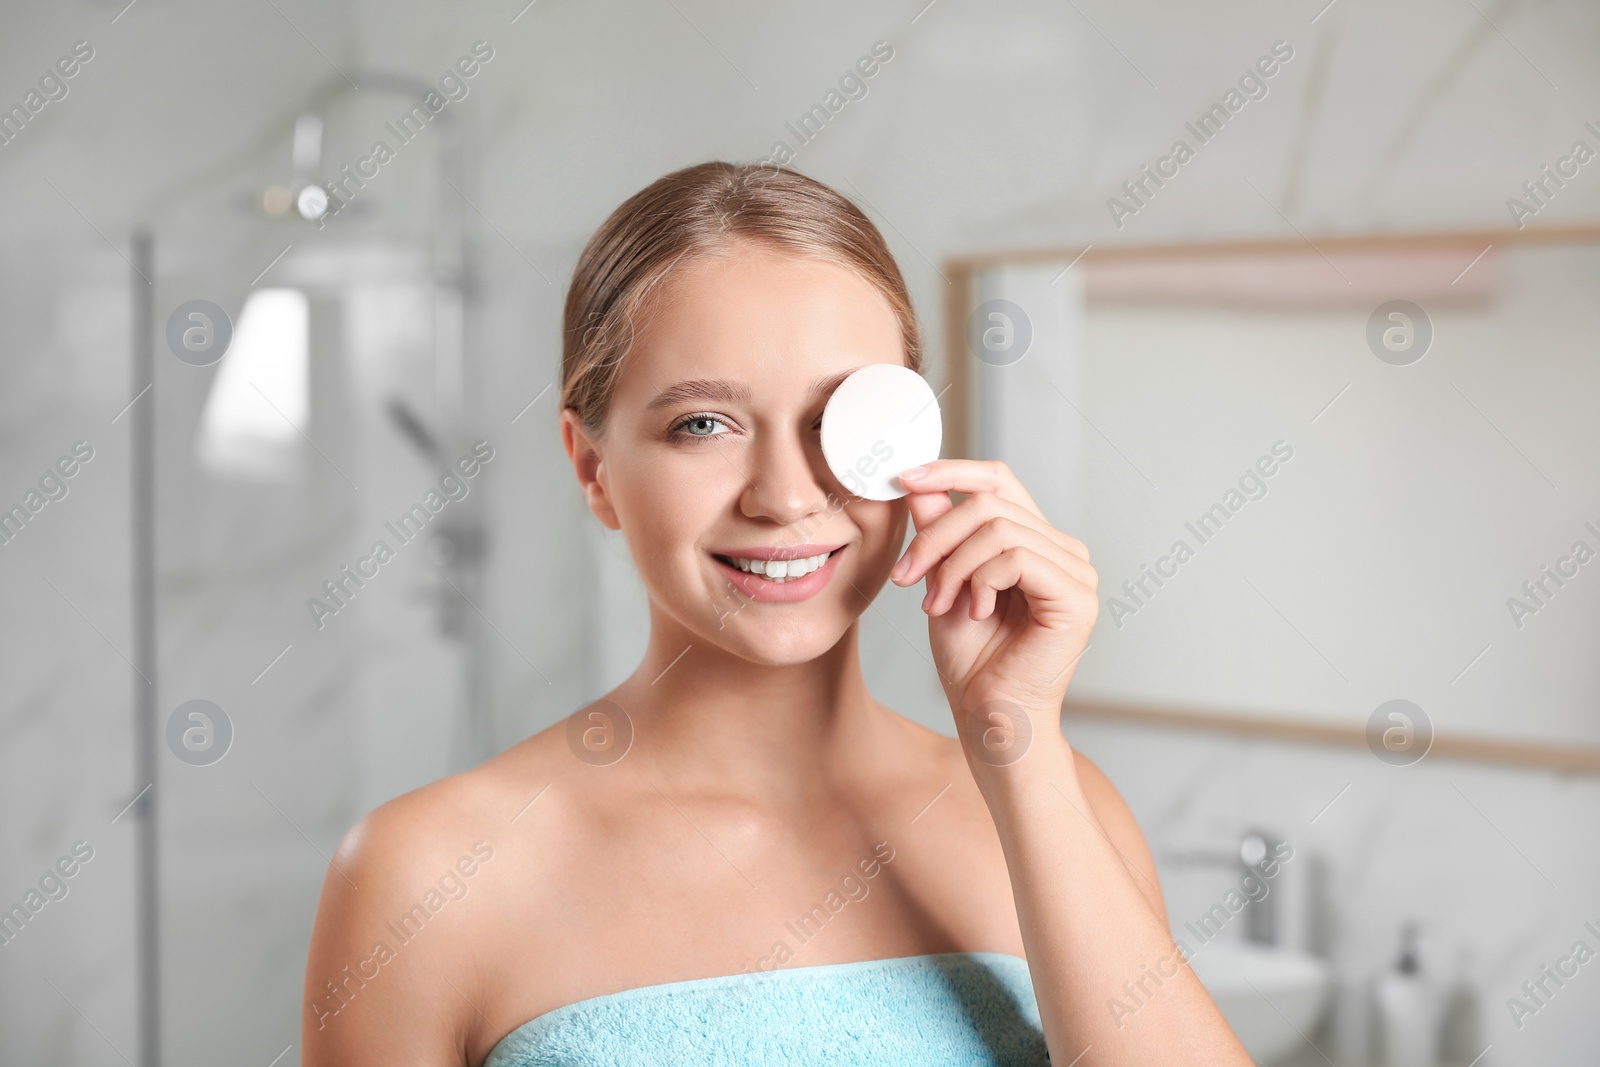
<point x="960" y="272"/>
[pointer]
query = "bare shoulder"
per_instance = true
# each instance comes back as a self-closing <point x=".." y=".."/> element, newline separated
<point x="1121" y="828"/>
<point x="391" y="974"/>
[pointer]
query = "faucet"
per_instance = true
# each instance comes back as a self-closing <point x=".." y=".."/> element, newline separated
<point x="1255" y="846"/>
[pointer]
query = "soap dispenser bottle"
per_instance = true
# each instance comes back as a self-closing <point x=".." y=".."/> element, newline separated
<point x="1408" y="1009"/>
<point x="1461" y="1029"/>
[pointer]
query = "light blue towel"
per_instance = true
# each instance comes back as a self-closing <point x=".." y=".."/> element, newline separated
<point x="961" y="1009"/>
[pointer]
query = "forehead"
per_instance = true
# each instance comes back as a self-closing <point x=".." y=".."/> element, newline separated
<point x="761" y="317"/>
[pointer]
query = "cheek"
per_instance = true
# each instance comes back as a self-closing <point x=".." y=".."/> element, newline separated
<point x="670" y="506"/>
<point x="883" y="525"/>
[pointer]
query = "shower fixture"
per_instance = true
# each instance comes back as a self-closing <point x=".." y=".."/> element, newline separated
<point x="459" y="549"/>
<point x="304" y="195"/>
<point x="310" y="198"/>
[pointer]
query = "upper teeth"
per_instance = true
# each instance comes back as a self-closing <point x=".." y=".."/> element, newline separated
<point x="778" y="570"/>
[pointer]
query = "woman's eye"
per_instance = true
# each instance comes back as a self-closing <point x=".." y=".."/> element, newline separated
<point x="700" y="426"/>
<point x="697" y="426"/>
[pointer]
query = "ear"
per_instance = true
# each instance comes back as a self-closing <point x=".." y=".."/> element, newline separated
<point x="589" y="465"/>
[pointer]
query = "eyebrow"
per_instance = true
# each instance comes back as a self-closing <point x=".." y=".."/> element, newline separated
<point x="732" y="392"/>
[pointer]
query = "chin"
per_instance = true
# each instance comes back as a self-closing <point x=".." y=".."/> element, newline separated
<point x="774" y="643"/>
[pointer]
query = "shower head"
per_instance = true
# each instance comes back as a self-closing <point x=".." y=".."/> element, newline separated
<point x="302" y="193"/>
<point x="310" y="199"/>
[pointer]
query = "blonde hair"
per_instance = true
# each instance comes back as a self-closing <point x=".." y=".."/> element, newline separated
<point x="692" y="214"/>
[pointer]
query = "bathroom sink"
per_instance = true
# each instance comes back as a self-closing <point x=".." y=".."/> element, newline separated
<point x="1271" y="997"/>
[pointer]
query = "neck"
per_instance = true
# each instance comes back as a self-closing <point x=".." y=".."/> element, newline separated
<point x="707" y="720"/>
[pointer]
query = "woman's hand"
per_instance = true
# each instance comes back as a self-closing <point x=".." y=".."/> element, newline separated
<point x="1011" y="600"/>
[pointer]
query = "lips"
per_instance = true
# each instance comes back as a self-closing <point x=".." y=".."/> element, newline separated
<point x="777" y="551"/>
<point x="756" y="588"/>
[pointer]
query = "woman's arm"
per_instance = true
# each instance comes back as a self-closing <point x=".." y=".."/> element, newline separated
<point x="1111" y="985"/>
<point x="1011" y="602"/>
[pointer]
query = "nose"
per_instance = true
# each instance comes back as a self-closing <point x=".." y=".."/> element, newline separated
<point x="783" y="484"/>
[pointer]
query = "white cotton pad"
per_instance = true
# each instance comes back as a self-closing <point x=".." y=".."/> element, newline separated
<point x="881" y="420"/>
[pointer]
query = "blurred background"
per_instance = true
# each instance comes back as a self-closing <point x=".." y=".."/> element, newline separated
<point x="277" y="275"/>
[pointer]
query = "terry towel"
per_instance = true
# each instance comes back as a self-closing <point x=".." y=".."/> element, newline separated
<point x="952" y="1009"/>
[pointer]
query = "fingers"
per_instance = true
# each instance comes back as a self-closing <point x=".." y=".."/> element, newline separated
<point x="1052" y="594"/>
<point x="973" y="476"/>
<point x="998" y="537"/>
<point x="980" y="478"/>
<point x="950" y="525"/>
<point x="926" y="507"/>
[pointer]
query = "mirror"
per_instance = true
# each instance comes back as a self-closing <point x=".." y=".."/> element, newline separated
<point x="1340" y="490"/>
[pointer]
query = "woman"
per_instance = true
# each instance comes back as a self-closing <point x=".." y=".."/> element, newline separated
<point x="737" y="854"/>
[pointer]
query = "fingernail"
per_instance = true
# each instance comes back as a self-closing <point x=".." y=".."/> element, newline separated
<point x="901" y="567"/>
<point x="914" y="472"/>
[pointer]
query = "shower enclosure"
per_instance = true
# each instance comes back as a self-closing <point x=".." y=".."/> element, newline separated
<point x="270" y="550"/>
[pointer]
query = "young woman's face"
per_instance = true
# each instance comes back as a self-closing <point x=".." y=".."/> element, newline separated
<point x="712" y="450"/>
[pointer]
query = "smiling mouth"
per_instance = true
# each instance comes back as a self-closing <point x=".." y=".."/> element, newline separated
<point x="778" y="571"/>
